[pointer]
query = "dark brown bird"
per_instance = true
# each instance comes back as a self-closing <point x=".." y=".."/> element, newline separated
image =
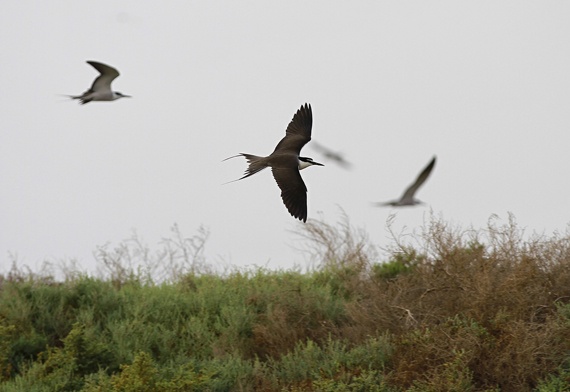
<point x="286" y="163"/>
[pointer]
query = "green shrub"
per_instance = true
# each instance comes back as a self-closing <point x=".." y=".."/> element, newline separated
<point x="452" y="310"/>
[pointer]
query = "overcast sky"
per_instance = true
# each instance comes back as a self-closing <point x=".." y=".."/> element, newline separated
<point x="484" y="85"/>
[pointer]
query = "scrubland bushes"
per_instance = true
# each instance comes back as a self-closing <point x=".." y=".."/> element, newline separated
<point x="447" y="310"/>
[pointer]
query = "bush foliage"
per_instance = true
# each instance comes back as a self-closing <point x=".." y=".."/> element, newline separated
<point x="448" y="310"/>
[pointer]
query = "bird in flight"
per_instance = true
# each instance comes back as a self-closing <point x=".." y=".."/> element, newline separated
<point x="286" y="163"/>
<point x="408" y="198"/>
<point x="332" y="155"/>
<point x="101" y="88"/>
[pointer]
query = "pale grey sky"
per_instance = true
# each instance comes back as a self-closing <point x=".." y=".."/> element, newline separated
<point x="483" y="85"/>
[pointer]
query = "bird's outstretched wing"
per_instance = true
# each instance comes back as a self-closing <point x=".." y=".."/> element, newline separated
<point x="293" y="191"/>
<point x="103" y="81"/>
<point x="412" y="189"/>
<point x="298" y="131"/>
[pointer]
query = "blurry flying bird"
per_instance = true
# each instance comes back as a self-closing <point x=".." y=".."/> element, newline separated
<point x="101" y="88"/>
<point x="332" y="155"/>
<point x="407" y="198"/>
<point x="286" y="163"/>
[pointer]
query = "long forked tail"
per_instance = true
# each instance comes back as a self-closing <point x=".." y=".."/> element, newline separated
<point x="256" y="164"/>
<point x="384" y="203"/>
<point x="82" y="99"/>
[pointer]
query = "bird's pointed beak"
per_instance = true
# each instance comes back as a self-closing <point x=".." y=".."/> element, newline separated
<point x="317" y="163"/>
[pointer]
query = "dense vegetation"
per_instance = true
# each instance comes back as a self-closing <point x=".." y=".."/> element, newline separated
<point x="448" y="310"/>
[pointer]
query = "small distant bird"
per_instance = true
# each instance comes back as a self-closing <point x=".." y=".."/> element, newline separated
<point x="407" y="198"/>
<point x="101" y="88"/>
<point x="332" y="155"/>
<point x="286" y="163"/>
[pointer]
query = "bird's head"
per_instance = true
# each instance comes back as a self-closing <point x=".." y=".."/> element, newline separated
<point x="118" y="95"/>
<point x="306" y="162"/>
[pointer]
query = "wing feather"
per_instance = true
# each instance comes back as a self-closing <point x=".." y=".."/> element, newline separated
<point x="293" y="191"/>
<point x="103" y="81"/>
<point x="298" y="131"/>
<point x="422" y="177"/>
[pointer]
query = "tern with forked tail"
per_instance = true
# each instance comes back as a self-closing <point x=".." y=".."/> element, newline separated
<point x="286" y="163"/>
<point x="101" y="88"/>
<point x="408" y="198"/>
